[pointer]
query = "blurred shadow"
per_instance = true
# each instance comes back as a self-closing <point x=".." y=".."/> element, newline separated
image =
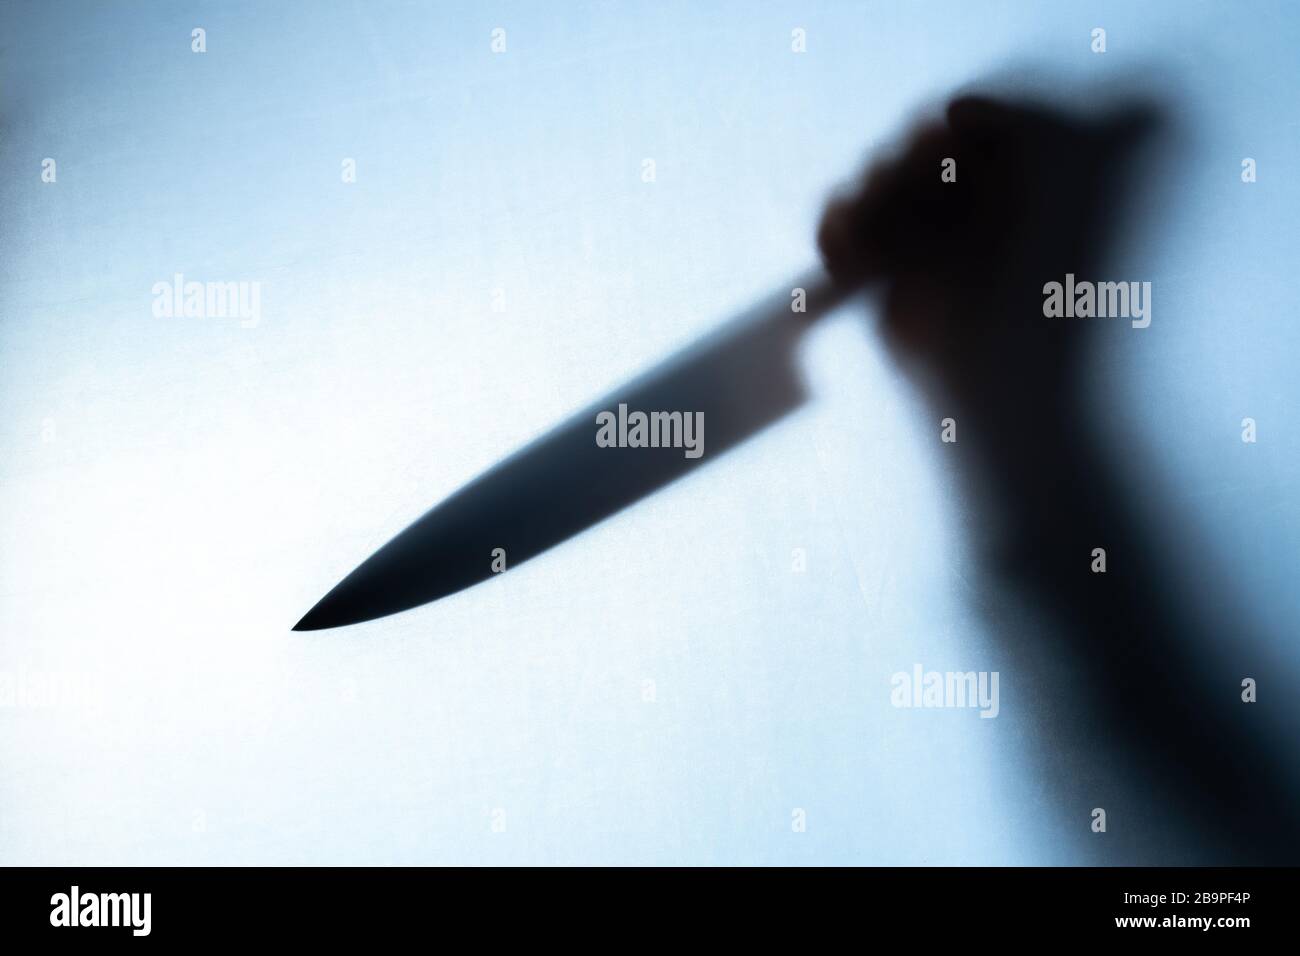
<point x="1122" y="688"/>
<point x="1133" y="715"/>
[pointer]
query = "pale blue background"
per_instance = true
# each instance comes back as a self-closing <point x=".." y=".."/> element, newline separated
<point x="207" y="483"/>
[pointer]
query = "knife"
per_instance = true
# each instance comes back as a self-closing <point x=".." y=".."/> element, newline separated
<point x="743" y="377"/>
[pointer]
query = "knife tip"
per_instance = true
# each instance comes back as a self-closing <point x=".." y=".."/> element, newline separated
<point x="339" y="608"/>
<point x="312" y="621"/>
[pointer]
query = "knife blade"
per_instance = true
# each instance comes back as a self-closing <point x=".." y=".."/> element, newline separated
<point x="742" y="377"/>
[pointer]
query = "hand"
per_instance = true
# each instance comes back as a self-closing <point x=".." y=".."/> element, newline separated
<point x="964" y="262"/>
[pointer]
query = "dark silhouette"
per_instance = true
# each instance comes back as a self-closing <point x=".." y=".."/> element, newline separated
<point x="742" y="378"/>
<point x="1128" y="675"/>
